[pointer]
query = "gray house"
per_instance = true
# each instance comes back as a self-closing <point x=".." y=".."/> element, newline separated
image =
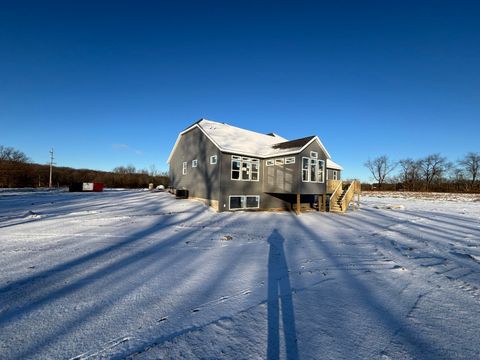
<point x="230" y="168"/>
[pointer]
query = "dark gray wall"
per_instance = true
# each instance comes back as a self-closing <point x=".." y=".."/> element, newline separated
<point x="202" y="181"/>
<point x="235" y="187"/>
<point x="330" y="174"/>
<point x="277" y="185"/>
<point x="310" y="187"/>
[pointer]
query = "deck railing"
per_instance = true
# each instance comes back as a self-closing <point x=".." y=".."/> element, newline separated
<point x="353" y="188"/>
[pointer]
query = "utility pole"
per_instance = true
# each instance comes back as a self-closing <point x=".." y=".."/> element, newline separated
<point x="51" y="166"/>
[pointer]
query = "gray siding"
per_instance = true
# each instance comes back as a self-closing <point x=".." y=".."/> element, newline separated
<point x="330" y="174"/>
<point x="277" y="185"/>
<point x="230" y="187"/>
<point x="202" y="181"/>
<point x="311" y="187"/>
<point x="281" y="178"/>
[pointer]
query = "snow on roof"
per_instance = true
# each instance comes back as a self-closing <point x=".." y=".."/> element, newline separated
<point x="232" y="139"/>
<point x="333" y="165"/>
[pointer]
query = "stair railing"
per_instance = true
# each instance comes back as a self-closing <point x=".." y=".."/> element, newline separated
<point x="353" y="188"/>
<point x="335" y="194"/>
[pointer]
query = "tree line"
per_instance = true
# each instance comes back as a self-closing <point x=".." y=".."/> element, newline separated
<point x="17" y="170"/>
<point x="433" y="172"/>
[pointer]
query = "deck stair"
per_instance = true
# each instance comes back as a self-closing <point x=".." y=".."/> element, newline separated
<point x="344" y="195"/>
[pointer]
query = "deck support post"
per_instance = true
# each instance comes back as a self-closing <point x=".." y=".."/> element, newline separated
<point x="319" y="207"/>
<point x="324" y="200"/>
<point x="297" y="210"/>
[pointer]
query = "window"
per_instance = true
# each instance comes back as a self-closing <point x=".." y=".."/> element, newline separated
<point x="278" y="161"/>
<point x="290" y="160"/>
<point x="305" y="162"/>
<point x="236" y="169"/>
<point x="335" y="174"/>
<point x="184" y="168"/>
<point x="321" y="171"/>
<point x="313" y="170"/>
<point x="236" y="202"/>
<point x="213" y="159"/>
<point x="244" y="202"/>
<point x="270" y="162"/>
<point x="246" y="169"/>
<point x="194" y="163"/>
<point x="313" y="154"/>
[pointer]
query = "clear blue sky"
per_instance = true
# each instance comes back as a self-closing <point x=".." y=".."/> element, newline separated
<point x="112" y="83"/>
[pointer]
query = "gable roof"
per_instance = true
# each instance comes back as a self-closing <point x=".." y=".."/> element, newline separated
<point x="232" y="139"/>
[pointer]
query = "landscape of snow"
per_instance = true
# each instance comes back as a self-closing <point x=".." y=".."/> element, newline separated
<point x="138" y="274"/>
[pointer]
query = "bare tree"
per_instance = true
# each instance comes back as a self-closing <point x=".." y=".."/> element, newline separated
<point x="471" y="164"/>
<point x="433" y="167"/>
<point x="409" y="173"/>
<point x="10" y="154"/>
<point x="380" y="168"/>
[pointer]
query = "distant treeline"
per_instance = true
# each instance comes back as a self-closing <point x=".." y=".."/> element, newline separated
<point x="430" y="173"/>
<point x="17" y="171"/>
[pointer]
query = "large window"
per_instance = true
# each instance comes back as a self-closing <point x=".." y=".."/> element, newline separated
<point x="244" y="202"/>
<point x="244" y="168"/>
<point x="305" y="162"/>
<point x="321" y="171"/>
<point x="313" y="170"/>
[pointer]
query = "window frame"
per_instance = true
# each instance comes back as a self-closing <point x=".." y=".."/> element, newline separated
<point x="243" y="202"/>
<point x="334" y="174"/>
<point x="314" y="154"/>
<point x="184" y="168"/>
<point x="290" y="160"/>
<point x="246" y="166"/>
<point x="320" y="170"/>
<point x="305" y="169"/>
<point x="213" y="160"/>
<point x="194" y="163"/>
<point x="269" y="162"/>
<point x="279" y="161"/>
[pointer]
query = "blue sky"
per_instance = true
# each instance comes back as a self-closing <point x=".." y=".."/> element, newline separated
<point x="113" y="83"/>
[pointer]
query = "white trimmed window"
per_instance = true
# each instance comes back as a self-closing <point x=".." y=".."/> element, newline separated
<point x="270" y="162"/>
<point x="194" y="163"/>
<point x="335" y="174"/>
<point x="290" y="160"/>
<point x="245" y="169"/>
<point x="321" y="171"/>
<point x="313" y="154"/>
<point x="213" y="159"/>
<point x="237" y="202"/>
<point x="313" y="170"/>
<point x="279" y="161"/>
<point x="305" y="172"/>
<point x="184" y="168"/>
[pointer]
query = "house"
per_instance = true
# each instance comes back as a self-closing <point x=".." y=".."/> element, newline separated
<point x="230" y="168"/>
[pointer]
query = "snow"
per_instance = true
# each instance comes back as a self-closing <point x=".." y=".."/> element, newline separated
<point x="231" y="139"/>
<point x="138" y="274"/>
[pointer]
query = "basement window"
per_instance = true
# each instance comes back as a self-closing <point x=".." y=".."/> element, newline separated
<point x="238" y="202"/>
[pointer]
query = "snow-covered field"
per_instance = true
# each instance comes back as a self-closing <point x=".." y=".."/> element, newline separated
<point x="134" y="274"/>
